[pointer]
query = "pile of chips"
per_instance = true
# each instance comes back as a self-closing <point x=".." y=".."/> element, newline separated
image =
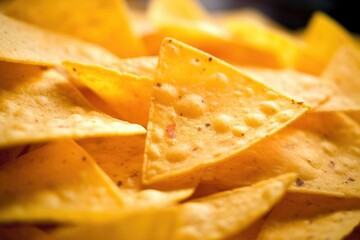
<point x="174" y="123"/>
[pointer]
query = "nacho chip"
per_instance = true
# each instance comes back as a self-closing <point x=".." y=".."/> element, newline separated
<point x="304" y="216"/>
<point x="121" y="158"/>
<point x="23" y="43"/>
<point x="343" y="74"/>
<point x="127" y="94"/>
<point x="151" y="224"/>
<point x="221" y="215"/>
<point x="323" y="37"/>
<point x="204" y="111"/>
<point x="188" y="22"/>
<point x="280" y="43"/>
<point x="105" y="23"/>
<point x="303" y="87"/>
<point x="45" y="186"/>
<point x="324" y="149"/>
<point x="40" y="105"/>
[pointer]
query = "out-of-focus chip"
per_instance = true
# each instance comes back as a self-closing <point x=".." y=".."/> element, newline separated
<point x="221" y="215"/>
<point x="282" y="45"/>
<point x="105" y="23"/>
<point x="303" y="87"/>
<point x="127" y="94"/>
<point x="303" y="216"/>
<point x="322" y="148"/>
<point x="204" y="111"/>
<point x="188" y="22"/>
<point x="150" y="224"/>
<point x="323" y="37"/>
<point x="23" y="43"/>
<point x="57" y="183"/>
<point x="40" y="105"/>
<point x="121" y="158"/>
<point x="343" y="73"/>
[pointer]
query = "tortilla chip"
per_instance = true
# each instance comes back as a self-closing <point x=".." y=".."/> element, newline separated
<point x="246" y="15"/>
<point x="23" y="43"/>
<point x="22" y="232"/>
<point x="280" y="43"/>
<point x="323" y="37"/>
<point x="105" y="23"/>
<point x="324" y="149"/>
<point x="343" y="74"/>
<point x="126" y="93"/>
<point x="121" y="158"/>
<point x="151" y="224"/>
<point x="304" y="216"/>
<point x="159" y="10"/>
<point x="301" y="86"/>
<point x="189" y="23"/>
<point x="221" y="215"/>
<point x="204" y="111"/>
<point x="45" y="186"/>
<point x="40" y="105"/>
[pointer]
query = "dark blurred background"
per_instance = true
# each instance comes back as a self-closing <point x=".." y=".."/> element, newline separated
<point x="295" y="14"/>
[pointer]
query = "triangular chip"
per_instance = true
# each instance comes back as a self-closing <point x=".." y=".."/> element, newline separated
<point x="23" y="43"/>
<point x="343" y="73"/>
<point x="301" y="86"/>
<point x="59" y="182"/>
<point x="324" y="149"/>
<point x="127" y="94"/>
<point x="221" y="215"/>
<point x="40" y="105"/>
<point x="103" y="23"/>
<point x="121" y="158"/>
<point x="323" y="37"/>
<point x="204" y="111"/>
<point x="304" y="216"/>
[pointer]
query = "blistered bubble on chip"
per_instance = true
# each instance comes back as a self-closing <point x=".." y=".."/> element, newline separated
<point x="190" y="105"/>
<point x="166" y="93"/>
<point x="255" y="119"/>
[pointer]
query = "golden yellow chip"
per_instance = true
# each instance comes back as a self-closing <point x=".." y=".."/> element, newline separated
<point x="57" y="183"/>
<point x="121" y="158"/>
<point x="324" y="149"/>
<point x="127" y="94"/>
<point x="304" y="216"/>
<point x="301" y="86"/>
<point x="188" y="22"/>
<point x="221" y="215"/>
<point x="40" y="105"/>
<point x="204" y="111"/>
<point x="343" y="74"/>
<point x="323" y="37"/>
<point x="282" y="45"/>
<point x="24" y="43"/>
<point x="105" y="23"/>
